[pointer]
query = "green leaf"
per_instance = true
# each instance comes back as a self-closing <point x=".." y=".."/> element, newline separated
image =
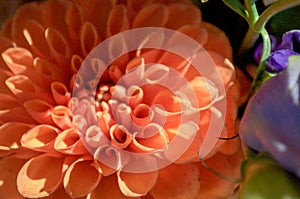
<point x="236" y="6"/>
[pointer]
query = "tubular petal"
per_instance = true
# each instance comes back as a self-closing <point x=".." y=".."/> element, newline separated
<point x="120" y="137"/>
<point x="34" y="182"/>
<point x="10" y="167"/>
<point x="62" y="117"/>
<point x="174" y="176"/>
<point x="117" y="20"/>
<point x="40" y="111"/>
<point x="60" y="93"/>
<point x="88" y="38"/>
<point x="40" y="138"/>
<point x="81" y="178"/>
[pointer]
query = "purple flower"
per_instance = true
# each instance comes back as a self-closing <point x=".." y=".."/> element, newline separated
<point x="271" y="120"/>
<point x="289" y="45"/>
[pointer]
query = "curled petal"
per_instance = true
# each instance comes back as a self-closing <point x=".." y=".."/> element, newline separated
<point x="109" y="159"/>
<point x="34" y="34"/>
<point x="10" y="135"/>
<point x="141" y="116"/>
<point x="152" y="137"/>
<point x="40" y="111"/>
<point x="73" y="20"/>
<point x="200" y="35"/>
<point x="185" y="176"/>
<point x="95" y="137"/>
<point x="4" y="74"/>
<point x="10" y="167"/>
<point x="134" y="96"/>
<point x="69" y="142"/>
<point x="60" y="93"/>
<point x="117" y="51"/>
<point x="62" y="117"/>
<point x="81" y="178"/>
<point x="40" y="138"/>
<point x="123" y="113"/>
<point x="155" y="15"/>
<point x="34" y="182"/>
<point x="157" y="74"/>
<point x="88" y="38"/>
<point x="80" y="123"/>
<point x="120" y="137"/>
<point x="117" y="20"/>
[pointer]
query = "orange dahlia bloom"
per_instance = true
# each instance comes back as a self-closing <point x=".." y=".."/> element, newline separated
<point x="48" y="147"/>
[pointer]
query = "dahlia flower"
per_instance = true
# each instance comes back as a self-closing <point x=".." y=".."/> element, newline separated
<point x="51" y="146"/>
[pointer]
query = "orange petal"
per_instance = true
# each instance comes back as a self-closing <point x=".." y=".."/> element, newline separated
<point x="120" y="137"/>
<point x="4" y="74"/>
<point x="217" y="38"/>
<point x="154" y="15"/>
<point x="69" y="142"/>
<point x="10" y="167"/>
<point x="94" y="137"/>
<point x="107" y="189"/>
<point x="182" y="14"/>
<point x="34" y="34"/>
<point x="12" y="110"/>
<point x="40" y="138"/>
<point x="213" y="186"/>
<point x="62" y="117"/>
<point x="141" y="116"/>
<point x="11" y="133"/>
<point x="81" y="178"/>
<point x="196" y="33"/>
<point x="117" y="20"/>
<point x="40" y="176"/>
<point x="60" y="93"/>
<point x="137" y="184"/>
<point x="40" y="111"/>
<point x="177" y="182"/>
<point x="88" y="38"/>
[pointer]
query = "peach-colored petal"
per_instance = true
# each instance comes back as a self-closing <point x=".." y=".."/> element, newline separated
<point x="183" y="14"/>
<point x="155" y="15"/>
<point x="40" y="138"/>
<point x="34" y="34"/>
<point x="108" y="159"/>
<point x="200" y="35"/>
<point x="108" y="189"/>
<point x="10" y="135"/>
<point x="62" y="117"/>
<point x="12" y="110"/>
<point x="217" y="38"/>
<point x="24" y="14"/>
<point x="81" y="178"/>
<point x="40" y="111"/>
<point x="177" y="182"/>
<point x="117" y="20"/>
<point x="94" y="137"/>
<point x="128" y="181"/>
<point x="69" y="142"/>
<point x="213" y="186"/>
<point x="141" y="116"/>
<point x="60" y="93"/>
<point x="60" y="193"/>
<point x="34" y="182"/>
<point x="88" y="37"/>
<point x="10" y="167"/>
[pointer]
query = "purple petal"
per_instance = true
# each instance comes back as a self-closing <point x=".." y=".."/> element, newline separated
<point x="258" y="51"/>
<point x="271" y="121"/>
<point x="291" y="41"/>
<point x="278" y="60"/>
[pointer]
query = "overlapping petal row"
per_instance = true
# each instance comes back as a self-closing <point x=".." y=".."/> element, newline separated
<point x="41" y="149"/>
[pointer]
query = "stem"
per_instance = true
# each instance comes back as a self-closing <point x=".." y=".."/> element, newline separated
<point x="262" y="66"/>
<point x="273" y="9"/>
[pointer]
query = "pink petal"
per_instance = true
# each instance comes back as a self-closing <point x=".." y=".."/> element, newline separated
<point x="10" y="135"/>
<point x="12" y="110"/>
<point x="60" y="93"/>
<point x="134" y="96"/>
<point x="117" y="20"/>
<point x="136" y="184"/>
<point x="69" y="142"/>
<point x="94" y="137"/>
<point x="141" y="116"/>
<point x="154" y="15"/>
<point x="62" y="117"/>
<point x="88" y="37"/>
<point x="40" y="176"/>
<point x="40" y="138"/>
<point x="40" y="111"/>
<point x="177" y="182"/>
<point x="10" y="167"/>
<point x="108" y="189"/>
<point x="81" y="178"/>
